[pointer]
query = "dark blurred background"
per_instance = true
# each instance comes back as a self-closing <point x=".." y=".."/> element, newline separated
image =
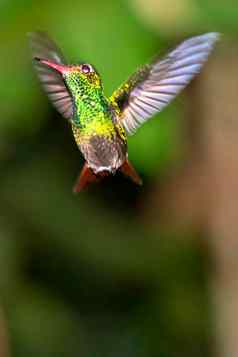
<point x="120" y="270"/>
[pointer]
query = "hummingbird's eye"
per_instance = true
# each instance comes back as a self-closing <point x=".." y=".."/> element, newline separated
<point x="86" y="68"/>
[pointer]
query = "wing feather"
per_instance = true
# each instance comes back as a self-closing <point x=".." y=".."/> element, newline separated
<point x="53" y="83"/>
<point x="154" y="86"/>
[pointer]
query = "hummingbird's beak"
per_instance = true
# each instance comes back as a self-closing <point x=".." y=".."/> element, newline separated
<point x="58" y="67"/>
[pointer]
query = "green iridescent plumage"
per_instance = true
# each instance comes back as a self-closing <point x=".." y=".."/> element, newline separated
<point x="100" y="138"/>
<point x="92" y="113"/>
<point x="100" y="125"/>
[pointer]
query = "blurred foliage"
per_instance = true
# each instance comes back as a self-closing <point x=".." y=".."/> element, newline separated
<point x="86" y="275"/>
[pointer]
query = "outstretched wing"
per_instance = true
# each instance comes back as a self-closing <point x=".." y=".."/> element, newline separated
<point x="153" y="86"/>
<point x="44" y="48"/>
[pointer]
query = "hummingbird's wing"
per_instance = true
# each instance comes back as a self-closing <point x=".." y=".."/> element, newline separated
<point x="44" y="48"/>
<point x="154" y="85"/>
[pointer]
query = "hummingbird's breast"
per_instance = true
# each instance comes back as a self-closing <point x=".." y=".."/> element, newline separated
<point x="100" y="138"/>
<point x="102" y="143"/>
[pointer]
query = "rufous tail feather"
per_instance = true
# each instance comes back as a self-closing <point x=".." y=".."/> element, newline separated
<point x="86" y="177"/>
<point x="128" y="170"/>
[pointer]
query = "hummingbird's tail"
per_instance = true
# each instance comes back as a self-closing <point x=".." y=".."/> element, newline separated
<point x="128" y="170"/>
<point x="87" y="176"/>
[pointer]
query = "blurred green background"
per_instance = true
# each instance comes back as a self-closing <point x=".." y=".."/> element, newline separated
<point x="99" y="274"/>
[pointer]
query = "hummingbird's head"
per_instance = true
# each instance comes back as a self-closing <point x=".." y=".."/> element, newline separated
<point x="78" y="78"/>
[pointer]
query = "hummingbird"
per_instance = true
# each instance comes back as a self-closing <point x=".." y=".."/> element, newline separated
<point x="102" y="124"/>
